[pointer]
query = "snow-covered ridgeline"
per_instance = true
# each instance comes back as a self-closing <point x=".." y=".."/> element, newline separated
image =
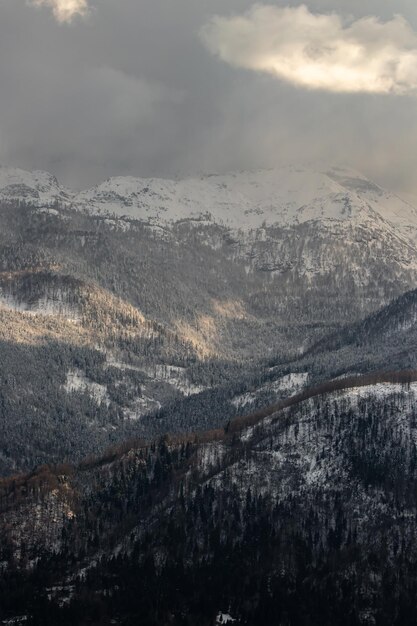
<point x="239" y="200"/>
<point x="37" y="188"/>
<point x="249" y="200"/>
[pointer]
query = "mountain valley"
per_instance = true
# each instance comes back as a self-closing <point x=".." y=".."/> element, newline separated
<point x="207" y="400"/>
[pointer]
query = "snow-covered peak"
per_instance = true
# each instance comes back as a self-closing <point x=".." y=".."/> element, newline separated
<point x="38" y="188"/>
<point x="246" y="200"/>
<point x="240" y="200"/>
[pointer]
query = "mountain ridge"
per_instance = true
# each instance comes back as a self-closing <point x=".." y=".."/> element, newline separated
<point x="244" y="199"/>
<point x="301" y="502"/>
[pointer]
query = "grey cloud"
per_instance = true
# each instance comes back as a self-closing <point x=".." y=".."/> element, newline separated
<point x="132" y="90"/>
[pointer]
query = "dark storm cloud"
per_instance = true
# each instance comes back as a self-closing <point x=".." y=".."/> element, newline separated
<point x="91" y="89"/>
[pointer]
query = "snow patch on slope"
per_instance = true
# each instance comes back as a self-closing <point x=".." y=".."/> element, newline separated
<point x="78" y="382"/>
<point x="175" y="376"/>
<point x="48" y="304"/>
<point x="224" y="618"/>
<point x="379" y="390"/>
<point x="292" y="382"/>
<point x="142" y="405"/>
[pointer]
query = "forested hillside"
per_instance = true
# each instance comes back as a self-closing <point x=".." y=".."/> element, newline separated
<point x="304" y="517"/>
<point x="207" y="420"/>
<point x="115" y="326"/>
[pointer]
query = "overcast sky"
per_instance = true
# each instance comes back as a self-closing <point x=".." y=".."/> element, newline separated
<point x="94" y="88"/>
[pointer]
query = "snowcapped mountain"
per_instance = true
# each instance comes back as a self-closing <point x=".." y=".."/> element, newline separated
<point x="289" y="219"/>
<point x="200" y="281"/>
<point x="238" y="248"/>
<point x="251" y="200"/>
<point x="244" y="200"/>
<point x="37" y="188"/>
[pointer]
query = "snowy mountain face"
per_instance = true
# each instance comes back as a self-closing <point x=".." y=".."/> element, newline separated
<point x="37" y="188"/>
<point x="281" y="220"/>
<point x="251" y="200"/>
<point x="241" y="201"/>
<point x="332" y="225"/>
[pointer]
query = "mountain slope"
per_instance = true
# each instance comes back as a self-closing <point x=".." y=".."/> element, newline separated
<point x="306" y="517"/>
<point x="382" y="341"/>
<point x="157" y="324"/>
<point x="38" y="188"/>
<point x="395" y="324"/>
<point x="250" y="200"/>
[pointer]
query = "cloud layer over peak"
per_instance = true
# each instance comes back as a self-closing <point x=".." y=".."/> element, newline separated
<point x="318" y="51"/>
<point x="64" y="10"/>
<point x="134" y="92"/>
